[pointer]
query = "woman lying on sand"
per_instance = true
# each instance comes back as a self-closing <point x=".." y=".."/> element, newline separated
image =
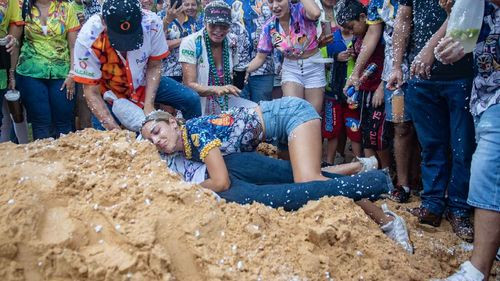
<point x="291" y="121"/>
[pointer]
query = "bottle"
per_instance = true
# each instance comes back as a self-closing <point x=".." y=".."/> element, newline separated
<point x="465" y="22"/>
<point x="398" y="106"/>
<point x="352" y="98"/>
<point x="352" y="94"/>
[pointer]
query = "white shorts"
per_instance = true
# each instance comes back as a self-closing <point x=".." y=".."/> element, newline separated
<point x="309" y="72"/>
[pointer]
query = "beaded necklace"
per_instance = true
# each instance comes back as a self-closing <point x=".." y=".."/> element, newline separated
<point x="187" y="147"/>
<point x="214" y="78"/>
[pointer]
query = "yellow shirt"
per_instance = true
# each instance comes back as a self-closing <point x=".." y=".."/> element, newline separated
<point x="10" y="13"/>
<point x="45" y="51"/>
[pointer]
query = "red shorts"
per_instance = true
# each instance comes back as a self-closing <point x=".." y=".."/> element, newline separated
<point x="338" y="118"/>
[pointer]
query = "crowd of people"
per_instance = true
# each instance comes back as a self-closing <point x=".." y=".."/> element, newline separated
<point x="207" y="82"/>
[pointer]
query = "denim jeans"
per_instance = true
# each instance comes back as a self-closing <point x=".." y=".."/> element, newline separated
<point x="258" y="178"/>
<point x="440" y="114"/>
<point x="172" y="93"/>
<point x="49" y="110"/>
<point x="259" y="88"/>
<point x="2" y="94"/>
<point x="484" y="189"/>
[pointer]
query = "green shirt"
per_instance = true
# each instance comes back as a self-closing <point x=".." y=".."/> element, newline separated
<point x="46" y="54"/>
<point x="10" y="13"/>
<point x="78" y="8"/>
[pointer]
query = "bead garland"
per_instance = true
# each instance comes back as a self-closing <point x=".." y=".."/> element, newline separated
<point x="187" y="146"/>
<point x="214" y="79"/>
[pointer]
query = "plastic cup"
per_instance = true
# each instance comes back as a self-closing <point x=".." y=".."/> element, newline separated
<point x="14" y="103"/>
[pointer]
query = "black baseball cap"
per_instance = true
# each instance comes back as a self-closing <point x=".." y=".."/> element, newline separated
<point x="218" y="12"/>
<point x="123" y="19"/>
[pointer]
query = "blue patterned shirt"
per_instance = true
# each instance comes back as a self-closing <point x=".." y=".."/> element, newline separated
<point x="237" y="130"/>
<point x="486" y="87"/>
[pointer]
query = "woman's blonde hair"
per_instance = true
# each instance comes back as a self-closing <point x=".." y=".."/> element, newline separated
<point x="160" y="115"/>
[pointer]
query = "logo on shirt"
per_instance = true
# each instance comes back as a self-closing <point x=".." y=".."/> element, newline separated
<point x="188" y="53"/>
<point x="83" y="63"/>
<point x="143" y="59"/>
<point x="85" y="73"/>
<point x="224" y="120"/>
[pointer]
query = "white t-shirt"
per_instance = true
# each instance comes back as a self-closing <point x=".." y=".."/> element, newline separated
<point x="194" y="51"/>
<point x="190" y="171"/>
<point x="88" y="67"/>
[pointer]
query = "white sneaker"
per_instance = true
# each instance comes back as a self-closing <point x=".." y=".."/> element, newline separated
<point x="369" y="164"/>
<point x="396" y="230"/>
<point x="467" y="272"/>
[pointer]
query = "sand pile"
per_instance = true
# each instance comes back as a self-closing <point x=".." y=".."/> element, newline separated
<point x="101" y="206"/>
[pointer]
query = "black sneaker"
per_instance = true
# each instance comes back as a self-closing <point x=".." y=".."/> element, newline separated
<point x="400" y="194"/>
<point x="325" y="164"/>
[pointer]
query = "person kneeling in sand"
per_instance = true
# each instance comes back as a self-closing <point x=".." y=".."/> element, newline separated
<point x="289" y="120"/>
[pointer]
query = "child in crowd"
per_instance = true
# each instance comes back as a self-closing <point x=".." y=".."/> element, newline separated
<point x="381" y="21"/>
<point x="339" y="118"/>
<point x="375" y="131"/>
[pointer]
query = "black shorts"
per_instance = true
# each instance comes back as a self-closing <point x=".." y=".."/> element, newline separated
<point x="376" y="132"/>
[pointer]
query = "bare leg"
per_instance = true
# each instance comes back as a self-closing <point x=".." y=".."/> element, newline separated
<point x="345" y="169"/>
<point x="315" y="97"/>
<point x="356" y="149"/>
<point x="385" y="158"/>
<point x="277" y="93"/>
<point x="331" y="150"/>
<point x="304" y="144"/>
<point x="342" y="139"/>
<point x="292" y="89"/>
<point x="403" y="141"/>
<point x="82" y="110"/>
<point x="369" y="152"/>
<point x="374" y="212"/>
<point x="415" y="165"/>
<point x="486" y="239"/>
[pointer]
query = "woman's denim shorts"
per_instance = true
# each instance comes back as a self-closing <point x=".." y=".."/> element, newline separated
<point x="282" y="116"/>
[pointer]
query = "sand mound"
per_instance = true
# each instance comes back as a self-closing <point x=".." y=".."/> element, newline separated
<point x="101" y="206"/>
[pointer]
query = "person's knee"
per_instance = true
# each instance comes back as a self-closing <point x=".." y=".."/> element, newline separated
<point x="403" y="130"/>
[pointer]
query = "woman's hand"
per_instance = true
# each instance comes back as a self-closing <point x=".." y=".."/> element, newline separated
<point x="226" y="90"/>
<point x="171" y="13"/>
<point x="449" y="51"/>
<point x="69" y="84"/>
<point x="12" y="43"/>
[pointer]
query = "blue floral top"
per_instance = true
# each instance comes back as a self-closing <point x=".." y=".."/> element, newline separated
<point x="237" y="130"/>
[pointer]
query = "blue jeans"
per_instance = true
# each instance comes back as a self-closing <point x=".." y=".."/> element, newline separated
<point x="440" y="114"/>
<point x="258" y="178"/>
<point x="484" y="189"/>
<point x="50" y="112"/>
<point x="259" y="88"/>
<point x="172" y="93"/>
